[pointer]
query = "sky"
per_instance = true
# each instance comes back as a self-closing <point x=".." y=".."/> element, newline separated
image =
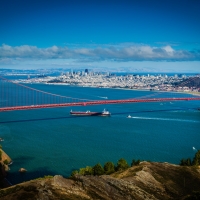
<point x="103" y="35"/>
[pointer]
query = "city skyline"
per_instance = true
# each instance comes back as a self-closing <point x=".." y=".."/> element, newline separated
<point x="149" y="36"/>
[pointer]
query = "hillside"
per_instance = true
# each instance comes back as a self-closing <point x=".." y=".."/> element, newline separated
<point x="190" y="82"/>
<point x="148" y="180"/>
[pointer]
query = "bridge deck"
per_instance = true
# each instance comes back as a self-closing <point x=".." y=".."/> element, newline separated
<point x="96" y="103"/>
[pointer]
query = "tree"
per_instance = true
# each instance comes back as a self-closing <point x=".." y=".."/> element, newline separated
<point x="186" y="162"/>
<point x="109" y="167"/>
<point x="89" y="170"/>
<point x="135" y="162"/>
<point x="86" y="171"/>
<point x="98" y="169"/>
<point x="81" y="171"/>
<point x="196" y="160"/>
<point x="122" y="164"/>
<point x="74" y="173"/>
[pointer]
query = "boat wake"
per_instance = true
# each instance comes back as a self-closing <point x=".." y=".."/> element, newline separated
<point x="103" y="97"/>
<point x="165" y="119"/>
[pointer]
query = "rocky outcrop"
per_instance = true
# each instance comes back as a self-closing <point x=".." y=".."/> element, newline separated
<point x="4" y="161"/>
<point x="22" y="170"/>
<point x="147" y="181"/>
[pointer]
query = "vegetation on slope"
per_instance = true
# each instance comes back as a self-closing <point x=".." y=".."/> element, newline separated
<point x="189" y="162"/>
<point x="107" y="169"/>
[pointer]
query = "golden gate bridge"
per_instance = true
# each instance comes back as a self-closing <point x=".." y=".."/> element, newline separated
<point x="17" y="96"/>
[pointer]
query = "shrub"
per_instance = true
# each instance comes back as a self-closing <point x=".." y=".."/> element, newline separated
<point x="98" y="169"/>
<point x="89" y="170"/>
<point x="122" y="164"/>
<point x="196" y="160"/>
<point x="109" y="168"/>
<point x="135" y="162"/>
<point x="186" y="162"/>
<point x="75" y="172"/>
<point x="6" y="162"/>
<point x="86" y="171"/>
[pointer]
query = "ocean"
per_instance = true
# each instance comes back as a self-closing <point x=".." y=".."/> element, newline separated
<point x="50" y="141"/>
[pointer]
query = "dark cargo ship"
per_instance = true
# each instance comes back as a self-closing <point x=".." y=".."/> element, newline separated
<point x="88" y="113"/>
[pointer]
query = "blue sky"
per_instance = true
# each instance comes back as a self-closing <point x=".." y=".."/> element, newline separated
<point x="120" y="35"/>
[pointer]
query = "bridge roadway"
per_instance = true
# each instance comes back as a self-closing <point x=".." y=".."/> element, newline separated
<point x="3" y="109"/>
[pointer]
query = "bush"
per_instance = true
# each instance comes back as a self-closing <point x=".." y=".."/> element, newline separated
<point x="86" y="171"/>
<point x="109" y="168"/>
<point x="6" y="162"/>
<point x="75" y="172"/>
<point x="122" y="164"/>
<point x="98" y="169"/>
<point x="48" y="176"/>
<point x="89" y="170"/>
<point x="135" y="162"/>
<point x="186" y="162"/>
<point x="196" y="160"/>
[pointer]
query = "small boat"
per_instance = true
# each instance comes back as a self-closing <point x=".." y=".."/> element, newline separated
<point x="1" y="139"/>
<point x="129" y="116"/>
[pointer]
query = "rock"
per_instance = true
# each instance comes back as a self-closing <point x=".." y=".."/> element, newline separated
<point x="22" y="170"/>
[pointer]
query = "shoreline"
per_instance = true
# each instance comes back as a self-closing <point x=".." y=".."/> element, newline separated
<point x="119" y="88"/>
<point x="5" y="162"/>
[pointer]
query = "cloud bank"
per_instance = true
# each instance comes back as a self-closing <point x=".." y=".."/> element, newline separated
<point x="112" y="53"/>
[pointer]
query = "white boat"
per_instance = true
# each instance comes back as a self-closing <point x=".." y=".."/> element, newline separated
<point x="129" y="116"/>
<point x="105" y="113"/>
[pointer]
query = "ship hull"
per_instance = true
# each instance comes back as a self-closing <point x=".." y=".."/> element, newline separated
<point x="86" y="113"/>
<point x="79" y="113"/>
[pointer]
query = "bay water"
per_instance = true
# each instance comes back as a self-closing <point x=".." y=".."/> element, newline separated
<point x="50" y="141"/>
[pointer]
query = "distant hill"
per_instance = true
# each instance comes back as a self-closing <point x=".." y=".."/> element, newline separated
<point x="190" y="82"/>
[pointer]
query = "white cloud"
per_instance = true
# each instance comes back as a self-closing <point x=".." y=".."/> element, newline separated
<point x="131" y="52"/>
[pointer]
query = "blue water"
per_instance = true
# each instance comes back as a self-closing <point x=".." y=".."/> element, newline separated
<point x="50" y="141"/>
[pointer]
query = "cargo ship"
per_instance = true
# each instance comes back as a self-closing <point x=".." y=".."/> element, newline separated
<point x="89" y="113"/>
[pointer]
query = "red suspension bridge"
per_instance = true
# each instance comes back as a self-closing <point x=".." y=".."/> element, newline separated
<point x="17" y="96"/>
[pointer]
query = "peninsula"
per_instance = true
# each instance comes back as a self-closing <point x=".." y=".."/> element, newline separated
<point x="176" y="83"/>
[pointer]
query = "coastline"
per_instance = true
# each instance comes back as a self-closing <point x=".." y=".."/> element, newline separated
<point x="4" y="163"/>
<point x="121" y="88"/>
